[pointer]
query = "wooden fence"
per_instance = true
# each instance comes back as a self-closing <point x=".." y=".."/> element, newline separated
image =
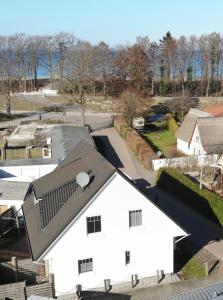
<point x="28" y="279"/>
<point x="21" y="291"/>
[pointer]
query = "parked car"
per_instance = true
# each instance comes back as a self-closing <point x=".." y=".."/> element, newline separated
<point x="138" y="123"/>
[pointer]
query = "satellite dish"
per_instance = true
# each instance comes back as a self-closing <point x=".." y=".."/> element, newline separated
<point x="82" y="179"/>
<point x="159" y="153"/>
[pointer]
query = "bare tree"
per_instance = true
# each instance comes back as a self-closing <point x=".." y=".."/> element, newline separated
<point x="34" y="44"/>
<point x="129" y="106"/>
<point x="78" y="61"/>
<point x="103" y="63"/>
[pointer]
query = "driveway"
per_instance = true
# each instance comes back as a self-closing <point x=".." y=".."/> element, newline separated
<point x="118" y="152"/>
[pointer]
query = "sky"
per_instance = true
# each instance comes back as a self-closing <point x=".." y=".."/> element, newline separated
<point x="112" y="21"/>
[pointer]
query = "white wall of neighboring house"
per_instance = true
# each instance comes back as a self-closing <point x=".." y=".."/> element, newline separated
<point x="196" y="147"/>
<point x="150" y="245"/>
<point x="183" y="146"/>
<point x="9" y="203"/>
<point x="192" y="148"/>
<point x="33" y="171"/>
<point x="24" y="174"/>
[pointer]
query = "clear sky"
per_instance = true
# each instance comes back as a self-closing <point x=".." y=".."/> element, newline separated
<point x="113" y="21"/>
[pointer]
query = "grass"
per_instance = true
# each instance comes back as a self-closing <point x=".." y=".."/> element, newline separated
<point x="203" y="201"/>
<point x="193" y="269"/>
<point x="20" y="104"/>
<point x="163" y="140"/>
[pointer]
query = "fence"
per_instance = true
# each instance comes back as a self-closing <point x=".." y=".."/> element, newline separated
<point x="8" y="220"/>
<point x="184" y="162"/>
<point x="28" y="278"/>
<point x="21" y="291"/>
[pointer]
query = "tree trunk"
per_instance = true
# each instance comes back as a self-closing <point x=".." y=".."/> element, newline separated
<point x="152" y="86"/>
<point x="207" y="87"/>
<point x="83" y="114"/>
<point x="104" y="89"/>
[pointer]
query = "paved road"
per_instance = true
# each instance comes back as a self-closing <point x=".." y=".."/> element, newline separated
<point x="95" y="120"/>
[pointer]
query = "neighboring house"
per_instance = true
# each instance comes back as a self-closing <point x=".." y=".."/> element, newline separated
<point x="107" y="230"/>
<point x="215" y="110"/>
<point x="12" y="193"/>
<point x="16" y="175"/>
<point x="196" y="135"/>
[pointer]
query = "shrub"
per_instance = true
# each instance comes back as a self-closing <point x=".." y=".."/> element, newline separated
<point x="203" y="201"/>
<point x="171" y="123"/>
<point x="144" y="147"/>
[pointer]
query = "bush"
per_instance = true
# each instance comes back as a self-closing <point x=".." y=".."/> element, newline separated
<point x="203" y="201"/>
<point x="171" y="123"/>
<point x="144" y="147"/>
<point x="135" y="141"/>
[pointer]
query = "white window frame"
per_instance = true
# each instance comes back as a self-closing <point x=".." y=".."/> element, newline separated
<point x="85" y="265"/>
<point x="135" y="218"/>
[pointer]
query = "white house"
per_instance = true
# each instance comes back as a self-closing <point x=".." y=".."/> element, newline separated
<point x="200" y="133"/>
<point x="106" y="230"/>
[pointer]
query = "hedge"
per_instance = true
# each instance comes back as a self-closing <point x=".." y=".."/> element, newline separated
<point x="171" y="123"/>
<point x="203" y="201"/>
<point x="135" y="141"/>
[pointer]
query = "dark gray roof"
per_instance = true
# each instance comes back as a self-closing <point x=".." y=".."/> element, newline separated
<point x="13" y="190"/>
<point x="65" y="137"/>
<point x="214" y="291"/>
<point x="62" y="199"/>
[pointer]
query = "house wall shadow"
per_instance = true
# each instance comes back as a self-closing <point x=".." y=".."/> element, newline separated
<point x="90" y="295"/>
<point x="105" y="148"/>
<point x="188" y="196"/>
<point x="200" y="229"/>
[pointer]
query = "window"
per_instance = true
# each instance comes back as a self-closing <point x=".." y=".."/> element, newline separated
<point x="93" y="224"/>
<point x="135" y="218"/>
<point x="85" y="265"/>
<point x="197" y="139"/>
<point x="127" y="257"/>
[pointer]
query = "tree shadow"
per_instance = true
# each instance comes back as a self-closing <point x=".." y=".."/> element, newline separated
<point x="105" y="148"/>
<point x="160" y="108"/>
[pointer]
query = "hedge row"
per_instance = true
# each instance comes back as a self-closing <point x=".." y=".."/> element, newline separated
<point x="171" y="123"/>
<point x="135" y="141"/>
<point x="203" y="201"/>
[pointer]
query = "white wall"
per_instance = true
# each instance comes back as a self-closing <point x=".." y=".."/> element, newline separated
<point x="195" y="145"/>
<point x="25" y="174"/>
<point x="150" y="245"/>
<point x="183" y="146"/>
<point x="34" y="171"/>
<point x="186" y="161"/>
<point x="17" y="203"/>
<point x="192" y="148"/>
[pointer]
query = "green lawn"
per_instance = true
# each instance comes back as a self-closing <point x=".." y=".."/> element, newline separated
<point x="163" y="140"/>
<point x="193" y="269"/>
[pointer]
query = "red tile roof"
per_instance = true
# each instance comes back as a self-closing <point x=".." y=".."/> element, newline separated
<point x="215" y="110"/>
